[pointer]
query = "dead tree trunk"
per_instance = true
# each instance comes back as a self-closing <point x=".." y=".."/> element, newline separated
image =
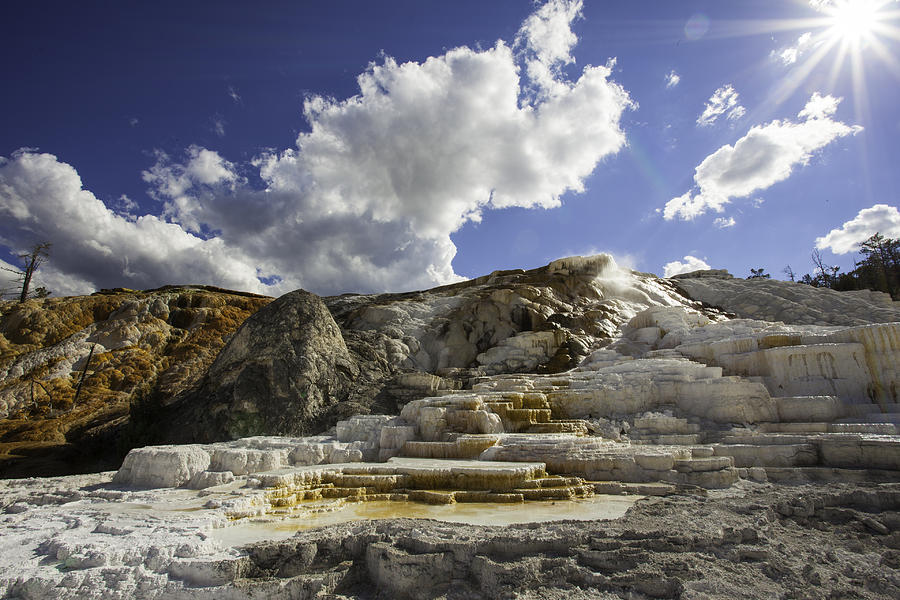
<point x="87" y="363"/>
<point x="31" y="261"/>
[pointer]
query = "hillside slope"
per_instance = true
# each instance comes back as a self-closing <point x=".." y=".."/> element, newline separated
<point x="303" y="363"/>
<point x="788" y="302"/>
<point x="157" y="342"/>
<point x="190" y="364"/>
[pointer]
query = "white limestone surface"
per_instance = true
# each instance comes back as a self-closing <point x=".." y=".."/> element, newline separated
<point x="80" y="537"/>
<point x="525" y="350"/>
<point x="85" y="536"/>
<point x="202" y="465"/>
<point x="856" y="364"/>
<point x="791" y="302"/>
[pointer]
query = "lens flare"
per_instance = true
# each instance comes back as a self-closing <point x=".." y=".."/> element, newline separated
<point x="696" y="27"/>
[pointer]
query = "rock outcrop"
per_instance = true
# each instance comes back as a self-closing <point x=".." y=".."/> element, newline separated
<point x="392" y="348"/>
<point x="791" y="303"/>
<point x="561" y="384"/>
<point x="279" y="374"/>
<point x="307" y="363"/>
<point x="124" y="349"/>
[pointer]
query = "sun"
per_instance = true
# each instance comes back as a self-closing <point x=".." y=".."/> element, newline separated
<point x="853" y="20"/>
<point x="845" y="37"/>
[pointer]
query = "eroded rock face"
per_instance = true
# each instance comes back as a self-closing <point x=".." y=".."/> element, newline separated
<point x="296" y="369"/>
<point x="509" y="321"/>
<point x="148" y="347"/>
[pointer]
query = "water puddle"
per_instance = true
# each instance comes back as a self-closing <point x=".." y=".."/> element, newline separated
<point x="599" y="507"/>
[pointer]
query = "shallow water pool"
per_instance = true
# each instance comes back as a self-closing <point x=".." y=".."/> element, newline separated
<point x="597" y="507"/>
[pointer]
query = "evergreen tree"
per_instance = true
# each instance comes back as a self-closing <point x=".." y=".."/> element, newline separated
<point x="880" y="266"/>
<point x="878" y="269"/>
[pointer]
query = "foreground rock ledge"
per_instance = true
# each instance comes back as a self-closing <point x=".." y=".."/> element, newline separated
<point x="78" y="537"/>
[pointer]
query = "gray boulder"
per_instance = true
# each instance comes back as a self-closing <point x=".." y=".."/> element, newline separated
<point x="279" y="374"/>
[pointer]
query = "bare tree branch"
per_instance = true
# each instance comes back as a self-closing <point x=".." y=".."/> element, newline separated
<point x="31" y="262"/>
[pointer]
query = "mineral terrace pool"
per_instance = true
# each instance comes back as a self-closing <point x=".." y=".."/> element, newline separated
<point x="594" y="508"/>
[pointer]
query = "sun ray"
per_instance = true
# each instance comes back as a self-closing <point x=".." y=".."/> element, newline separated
<point x="793" y="80"/>
<point x="725" y="29"/>
<point x="885" y="29"/>
<point x="862" y="112"/>
<point x="846" y="33"/>
<point x="837" y="65"/>
<point x="884" y="54"/>
<point x="860" y="90"/>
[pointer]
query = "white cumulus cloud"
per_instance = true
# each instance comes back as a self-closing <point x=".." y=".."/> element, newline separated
<point x="368" y="198"/>
<point x="790" y="54"/>
<point x="766" y="155"/>
<point x="723" y="223"/>
<point x="177" y="184"/>
<point x="880" y="218"/>
<point x="820" y="107"/>
<point x="547" y="35"/>
<point x="724" y="101"/>
<point x="672" y="79"/>
<point x="42" y="199"/>
<point x="691" y="263"/>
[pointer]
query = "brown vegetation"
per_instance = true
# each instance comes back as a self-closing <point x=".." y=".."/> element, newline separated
<point x="149" y="344"/>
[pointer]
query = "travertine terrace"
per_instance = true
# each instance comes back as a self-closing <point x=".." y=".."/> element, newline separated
<point x="726" y="403"/>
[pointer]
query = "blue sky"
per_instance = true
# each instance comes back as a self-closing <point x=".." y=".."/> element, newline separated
<point x="360" y="146"/>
